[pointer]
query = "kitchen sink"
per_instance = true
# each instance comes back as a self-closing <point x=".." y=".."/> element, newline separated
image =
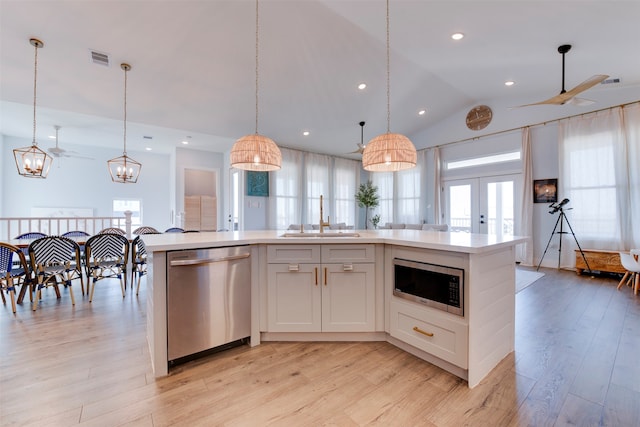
<point x="318" y="234"/>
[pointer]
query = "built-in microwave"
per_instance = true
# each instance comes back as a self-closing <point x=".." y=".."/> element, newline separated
<point x="434" y="285"/>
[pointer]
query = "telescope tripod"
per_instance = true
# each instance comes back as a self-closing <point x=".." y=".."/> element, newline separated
<point x="561" y="218"/>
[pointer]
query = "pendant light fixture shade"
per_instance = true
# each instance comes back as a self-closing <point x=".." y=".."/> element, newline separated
<point x="124" y="169"/>
<point x="389" y="152"/>
<point x="31" y="161"/>
<point x="256" y="152"/>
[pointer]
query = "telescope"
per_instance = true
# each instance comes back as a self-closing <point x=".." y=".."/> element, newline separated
<point x="555" y="207"/>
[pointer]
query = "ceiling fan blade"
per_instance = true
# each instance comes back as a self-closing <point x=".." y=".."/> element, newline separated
<point x="590" y="82"/>
<point x="568" y="97"/>
<point x="580" y="102"/>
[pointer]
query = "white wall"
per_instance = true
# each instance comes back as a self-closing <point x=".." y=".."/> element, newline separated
<point x="82" y="183"/>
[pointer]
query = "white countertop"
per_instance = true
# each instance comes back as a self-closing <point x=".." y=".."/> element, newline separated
<point x="446" y="241"/>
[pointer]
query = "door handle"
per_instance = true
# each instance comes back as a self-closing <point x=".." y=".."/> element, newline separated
<point x="325" y="276"/>
<point x="294" y="267"/>
<point x="347" y="267"/>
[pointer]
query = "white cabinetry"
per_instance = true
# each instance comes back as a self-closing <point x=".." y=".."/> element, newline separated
<point x="427" y="329"/>
<point x="321" y="288"/>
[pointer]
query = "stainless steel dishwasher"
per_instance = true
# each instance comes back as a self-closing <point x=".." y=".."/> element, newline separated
<point x="208" y="299"/>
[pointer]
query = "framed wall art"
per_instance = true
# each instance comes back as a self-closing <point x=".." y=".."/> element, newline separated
<point x="545" y="190"/>
<point x="257" y="184"/>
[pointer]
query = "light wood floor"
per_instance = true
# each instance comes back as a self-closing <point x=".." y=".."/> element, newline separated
<point x="576" y="363"/>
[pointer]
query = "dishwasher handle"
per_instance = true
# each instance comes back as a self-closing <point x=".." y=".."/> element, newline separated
<point x="200" y="261"/>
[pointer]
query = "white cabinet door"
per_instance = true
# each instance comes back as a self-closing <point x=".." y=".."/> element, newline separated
<point x="348" y="297"/>
<point x="294" y="298"/>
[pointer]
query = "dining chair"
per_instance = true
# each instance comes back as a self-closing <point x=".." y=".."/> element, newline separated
<point x="174" y="230"/>
<point x="32" y="235"/>
<point x="112" y="230"/>
<point x="106" y="257"/>
<point x="55" y="260"/>
<point x="78" y="235"/>
<point x="14" y="271"/>
<point x="631" y="262"/>
<point x="138" y="261"/>
<point x="145" y="230"/>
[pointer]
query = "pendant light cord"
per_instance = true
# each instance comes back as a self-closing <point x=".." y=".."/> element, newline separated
<point x="35" y="79"/>
<point x="257" y="23"/>
<point x="388" y="78"/>
<point x="126" y="68"/>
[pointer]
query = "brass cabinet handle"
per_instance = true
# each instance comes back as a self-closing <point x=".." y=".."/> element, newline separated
<point x="316" y="269"/>
<point x="420" y="331"/>
<point x="325" y="276"/>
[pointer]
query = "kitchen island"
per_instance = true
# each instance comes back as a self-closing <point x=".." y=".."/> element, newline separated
<point x="468" y="345"/>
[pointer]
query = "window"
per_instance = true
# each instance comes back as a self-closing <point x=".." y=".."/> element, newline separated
<point x="484" y="160"/>
<point x="135" y="206"/>
<point x="345" y="174"/>
<point x="297" y="187"/>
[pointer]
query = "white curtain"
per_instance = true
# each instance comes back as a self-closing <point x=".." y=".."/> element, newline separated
<point x="524" y="226"/>
<point x="345" y="186"/>
<point x="407" y="190"/>
<point x="631" y="117"/>
<point x="437" y="191"/>
<point x="317" y="169"/>
<point x="286" y="188"/>
<point x="594" y="176"/>
<point x="384" y="182"/>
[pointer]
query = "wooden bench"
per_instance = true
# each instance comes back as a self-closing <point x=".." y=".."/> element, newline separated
<point x="599" y="260"/>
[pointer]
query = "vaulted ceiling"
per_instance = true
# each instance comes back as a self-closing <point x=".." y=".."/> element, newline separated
<point x="193" y="65"/>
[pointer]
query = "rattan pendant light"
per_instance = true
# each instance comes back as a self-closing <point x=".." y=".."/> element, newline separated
<point x="256" y="152"/>
<point x="124" y="169"/>
<point x="31" y="161"/>
<point x="390" y="151"/>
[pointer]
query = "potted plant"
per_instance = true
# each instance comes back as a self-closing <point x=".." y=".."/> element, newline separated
<point x="375" y="220"/>
<point x="367" y="197"/>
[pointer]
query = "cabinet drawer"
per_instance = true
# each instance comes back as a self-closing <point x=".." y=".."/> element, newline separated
<point x="348" y="253"/>
<point x="303" y="254"/>
<point x="425" y="329"/>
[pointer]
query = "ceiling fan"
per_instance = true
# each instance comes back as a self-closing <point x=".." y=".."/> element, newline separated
<point x="361" y="143"/>
<point x="61" y="152"/>
<point x="569" y="97"/>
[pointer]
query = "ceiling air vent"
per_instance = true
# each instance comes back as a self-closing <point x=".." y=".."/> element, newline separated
<point x="610" y="81"/>
<point x="99" y="58"/>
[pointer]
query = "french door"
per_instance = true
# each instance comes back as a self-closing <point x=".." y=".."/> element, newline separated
<point x="481" y="205"/>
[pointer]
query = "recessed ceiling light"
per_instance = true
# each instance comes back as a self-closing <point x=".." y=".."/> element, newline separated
<point x="509" y="83"/>
<point x="148" y="148"/>
<point x="362" y="86"/>
<point x="457" y="36"/>
<point x="422" y="112"/>
<point x="52" y="137"/>
<point x="305" y="133"/>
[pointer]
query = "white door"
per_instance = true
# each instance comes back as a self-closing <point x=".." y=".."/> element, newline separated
<point x="481" y="205"/>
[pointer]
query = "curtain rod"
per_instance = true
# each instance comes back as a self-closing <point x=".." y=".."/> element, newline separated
<point x="533" y="125"/>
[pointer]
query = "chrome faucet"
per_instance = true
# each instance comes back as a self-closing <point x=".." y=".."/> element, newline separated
<point x="322" y="223"/>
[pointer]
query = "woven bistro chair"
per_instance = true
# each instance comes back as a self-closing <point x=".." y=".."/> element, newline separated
<point x="106" y="256"/>
<point x="14" y="271"/>
<point x="32" y="235"/>
<point x="112" y="230"/>
<point x="174" y="230"/>
<point x="138" y="261"/>
<point x="145" y="230"/>
<point x="55" y="260"/>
